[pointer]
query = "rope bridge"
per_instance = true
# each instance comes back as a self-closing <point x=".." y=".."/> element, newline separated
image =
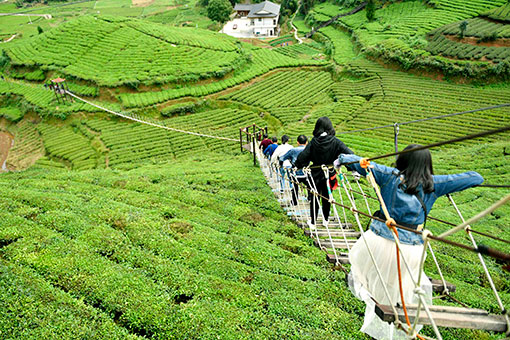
<point x="338" y="236"/>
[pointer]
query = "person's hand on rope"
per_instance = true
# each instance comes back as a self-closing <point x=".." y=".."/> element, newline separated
<point x="356" y="175"/>
<point x="364" y="163"/>
<point x="337" y="164"/>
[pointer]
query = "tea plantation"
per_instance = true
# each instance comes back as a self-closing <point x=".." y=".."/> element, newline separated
<point x="114" y="229"/>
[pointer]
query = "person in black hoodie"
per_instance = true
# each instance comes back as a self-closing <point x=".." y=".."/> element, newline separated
<point x="324" y="148"/>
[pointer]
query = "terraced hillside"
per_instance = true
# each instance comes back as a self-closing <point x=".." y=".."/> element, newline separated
<point x="399" y="31"/>
<point x="120" y="230"/>
<point x="187" y="250"/>
<point x="111" y="51"/>
<point x="197" y="248"/>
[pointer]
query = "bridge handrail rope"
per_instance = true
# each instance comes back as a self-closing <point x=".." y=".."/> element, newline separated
<point x="331" y="199"/>
<point x="134" y="118"/>
<point x="409" y="331"/>
<point x="441" y="143"/>
<point x="365" y="196"/>
<point x="482" y="261"/>
<point x="482" y="249"/>
<point x="425" y="119"/>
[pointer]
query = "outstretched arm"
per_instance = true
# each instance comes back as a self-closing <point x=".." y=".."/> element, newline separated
<point x="447" y="184"/>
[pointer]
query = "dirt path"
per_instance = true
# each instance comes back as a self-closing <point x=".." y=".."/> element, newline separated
<point x="141" y="3"/>
<point x="6" y="141"/>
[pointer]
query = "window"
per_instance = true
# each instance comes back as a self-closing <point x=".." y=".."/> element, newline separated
<point x="260" y="19"/>
<point x="274" y="22"/>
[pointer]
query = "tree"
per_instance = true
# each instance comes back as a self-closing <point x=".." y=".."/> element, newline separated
<point x="370" y="10"/>
<point x="462" y="28"/>
<point x="219" y="10"/>
<point x="39" y="29"/>
<point x="291" y="5"/>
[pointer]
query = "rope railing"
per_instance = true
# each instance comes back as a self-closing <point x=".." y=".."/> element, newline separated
<point x="425" y="119"/>
<point x="139" y="120"/>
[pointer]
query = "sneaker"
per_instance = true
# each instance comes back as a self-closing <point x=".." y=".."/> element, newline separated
<point x="325" y="224"/>
<point x="310" y="225"/>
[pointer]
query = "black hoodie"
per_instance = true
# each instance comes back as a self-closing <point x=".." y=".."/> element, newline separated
<point x="321" y="150"/>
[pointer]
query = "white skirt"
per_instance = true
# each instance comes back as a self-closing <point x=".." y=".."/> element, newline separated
<point x="365" y="283"/>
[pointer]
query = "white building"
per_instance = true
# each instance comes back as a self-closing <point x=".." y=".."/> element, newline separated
<point x="253" y="21"/>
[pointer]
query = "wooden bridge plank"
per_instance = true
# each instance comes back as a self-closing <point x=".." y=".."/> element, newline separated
<point x="455" y="317"/>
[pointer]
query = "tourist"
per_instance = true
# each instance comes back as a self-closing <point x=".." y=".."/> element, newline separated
<point x="265" y="143"/>
<point x="409" y="191"/>
<point x="324" y="148"/>
<point x="280" y="151"/>
<point x="289" y="159"/>
<point x="268" y="152"/>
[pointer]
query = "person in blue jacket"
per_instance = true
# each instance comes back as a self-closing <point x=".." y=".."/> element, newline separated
<point x="409" y="191"/>
<point x="288" y="162"/>
<point x="268" y="152"/>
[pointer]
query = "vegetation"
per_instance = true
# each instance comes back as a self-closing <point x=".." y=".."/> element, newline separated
<point x="99" y="48"/>
<point x="120" y="230"/>
<point x="501" y="13"/>
<point x="219" y="10"/>
<point x="134" y="259"/>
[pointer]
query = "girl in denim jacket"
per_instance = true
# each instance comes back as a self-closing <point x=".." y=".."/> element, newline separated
<point x="409" y="192"/>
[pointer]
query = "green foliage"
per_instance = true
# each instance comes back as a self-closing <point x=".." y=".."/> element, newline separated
<point x="500" y="13"/>
<point x="462" y="28"/>
<point x="180" y="109"/>
<point x="286" y="89"/>
<point x="64" y="144"/>
<point x="11" y="113"/>
<point x="219" y="10"/>
<point x="39" y="29"/>
<point x="370" y="10"/>
<point x="262" y="61"/>
<point x="157" y="252"/>
<point x="141" y="45"/>
<point x="410" y="21"/>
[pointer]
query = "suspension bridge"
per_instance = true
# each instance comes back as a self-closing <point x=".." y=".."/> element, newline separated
<point x="344" y="228"/>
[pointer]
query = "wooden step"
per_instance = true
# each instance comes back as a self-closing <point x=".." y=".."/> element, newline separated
<point x="342" y="257"/>
<point x="335" y="233"/>
<point x="446" y="316"/>
<point x="437" y="286"/>
<point x="338" y="244"/>
<point x="331" y="226"/>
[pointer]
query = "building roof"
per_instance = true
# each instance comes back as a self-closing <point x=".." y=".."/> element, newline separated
<point x="266" y="9"/>
<point x="242" y="7"/>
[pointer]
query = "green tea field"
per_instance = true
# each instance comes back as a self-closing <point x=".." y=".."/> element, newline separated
<point x="129" y="209"/>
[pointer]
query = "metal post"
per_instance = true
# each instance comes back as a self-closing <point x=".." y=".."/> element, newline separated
<point x="396" y="130"/>
<point x="254" y="153"/>
<point x="241" y="139"/>
<point x="253" y="146"/>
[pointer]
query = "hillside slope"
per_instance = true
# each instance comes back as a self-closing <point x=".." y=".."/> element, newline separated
<point x="197" y="248"/>
<point x="194" y="249"/>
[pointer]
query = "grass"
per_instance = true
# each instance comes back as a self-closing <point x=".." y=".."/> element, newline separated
<point x="146" y="255"/>
<point x="178" y="236"/>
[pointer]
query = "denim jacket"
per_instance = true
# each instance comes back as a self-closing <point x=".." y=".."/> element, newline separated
<point x="292" y="155"/>
<point x="406" y="208"/>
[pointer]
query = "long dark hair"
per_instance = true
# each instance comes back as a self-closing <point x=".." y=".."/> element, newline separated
<point x="323" y="124"/>
<point x="416" y="166"/>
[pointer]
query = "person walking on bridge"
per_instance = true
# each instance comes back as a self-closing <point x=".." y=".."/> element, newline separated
<point x="324" y="148"/>
<point x="408" y="191"/>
